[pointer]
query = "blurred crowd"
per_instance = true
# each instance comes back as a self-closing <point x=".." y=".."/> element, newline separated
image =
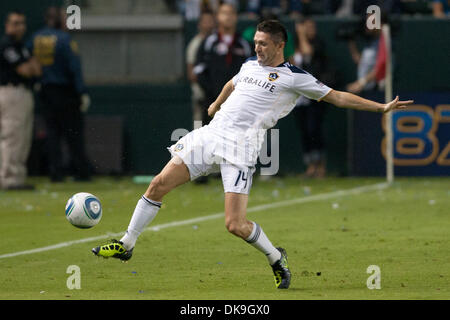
<point x="49" y="64"/>
<point x="216" y="53"/>
<point x="191" y="9"/>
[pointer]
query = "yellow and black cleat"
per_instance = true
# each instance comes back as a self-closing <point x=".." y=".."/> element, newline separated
<point x="114" y="249"/>
<point x="281" y="271"/>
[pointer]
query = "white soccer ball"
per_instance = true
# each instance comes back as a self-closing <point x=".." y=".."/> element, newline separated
<point x="83" y="210"/>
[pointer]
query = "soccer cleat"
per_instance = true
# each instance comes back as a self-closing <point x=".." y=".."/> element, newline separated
<point x="114" y="249"/>
<point x="281" y="271"/>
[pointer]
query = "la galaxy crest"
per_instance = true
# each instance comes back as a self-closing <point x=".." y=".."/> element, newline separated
<point x="273" y="76"/>
<point x="179" y="147"/>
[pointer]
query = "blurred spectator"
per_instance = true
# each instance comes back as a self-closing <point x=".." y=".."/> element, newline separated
<point x="366" y="60"/>
<point x="314" y="7"/>
<point x="386" y="6"/>
<point x="17" y="68"/>
<point x="250" y="31"/>
<point x="441" y="8"/>
<point x="309" y="114"/>
<point x="294" y="8"/>
<point x="206" y="25"/>
<point x="219" y="59"/>
<point x="63" y="94"/>
<point x="345" y="9"/>
<point x="220" y="56"/>
<point x="192" y="9"/>
<point x="256" y="8"/>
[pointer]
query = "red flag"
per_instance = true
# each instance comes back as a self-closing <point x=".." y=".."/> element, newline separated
<point x="380" y="65"/>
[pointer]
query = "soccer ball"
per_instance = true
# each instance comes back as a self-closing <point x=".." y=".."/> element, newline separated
<point x="83" y="210"/>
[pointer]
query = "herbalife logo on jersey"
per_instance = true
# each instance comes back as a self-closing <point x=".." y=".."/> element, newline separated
<point x="266" y="85"/>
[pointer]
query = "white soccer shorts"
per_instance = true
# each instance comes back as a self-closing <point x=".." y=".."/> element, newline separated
<point x="196" y="150"/>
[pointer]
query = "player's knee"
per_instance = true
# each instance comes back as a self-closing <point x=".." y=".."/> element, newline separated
<point x="234" y="227"/>
<point x="231" y="227"/>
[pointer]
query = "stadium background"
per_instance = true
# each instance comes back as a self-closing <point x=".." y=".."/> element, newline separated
<point x="333" y="228"/>
<point x="133" y="62"/>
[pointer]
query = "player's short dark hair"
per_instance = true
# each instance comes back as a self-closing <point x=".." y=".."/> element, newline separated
<point x="273" y="27"/>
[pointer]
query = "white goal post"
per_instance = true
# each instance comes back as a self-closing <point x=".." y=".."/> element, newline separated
<point x="388" y="96"/>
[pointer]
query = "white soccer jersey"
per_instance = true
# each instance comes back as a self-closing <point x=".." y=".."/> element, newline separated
<point x="261" y="96"/>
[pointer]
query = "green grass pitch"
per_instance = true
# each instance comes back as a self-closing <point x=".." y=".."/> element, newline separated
<point x="404" y="229"/>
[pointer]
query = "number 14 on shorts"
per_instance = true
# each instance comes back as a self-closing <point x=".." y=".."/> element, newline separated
<point x="242" y="177"/>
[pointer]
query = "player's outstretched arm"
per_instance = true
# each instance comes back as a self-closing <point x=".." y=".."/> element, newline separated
<point x="349" y="100"/>
<point x="223" y="96"/>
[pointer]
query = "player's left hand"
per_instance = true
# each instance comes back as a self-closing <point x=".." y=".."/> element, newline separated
<point x="396" y="104"/>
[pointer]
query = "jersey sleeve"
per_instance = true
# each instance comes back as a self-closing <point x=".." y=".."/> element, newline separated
<point x="308" y="86"/>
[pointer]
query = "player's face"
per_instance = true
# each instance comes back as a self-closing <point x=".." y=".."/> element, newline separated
<point x="266" y="49"/>
<point x="16" y="26"/>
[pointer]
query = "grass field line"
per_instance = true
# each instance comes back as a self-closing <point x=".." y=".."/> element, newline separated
<point x="278" y="204"/>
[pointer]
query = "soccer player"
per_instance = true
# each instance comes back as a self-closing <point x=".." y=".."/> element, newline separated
<point x="264" y="90"/>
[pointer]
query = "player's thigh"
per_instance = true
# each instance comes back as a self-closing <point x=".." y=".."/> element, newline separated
<point x="175" y="173"/>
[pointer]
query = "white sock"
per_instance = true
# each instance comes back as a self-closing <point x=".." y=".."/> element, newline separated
<point x="144" y="213"/>
<point x="259" y="240"/>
